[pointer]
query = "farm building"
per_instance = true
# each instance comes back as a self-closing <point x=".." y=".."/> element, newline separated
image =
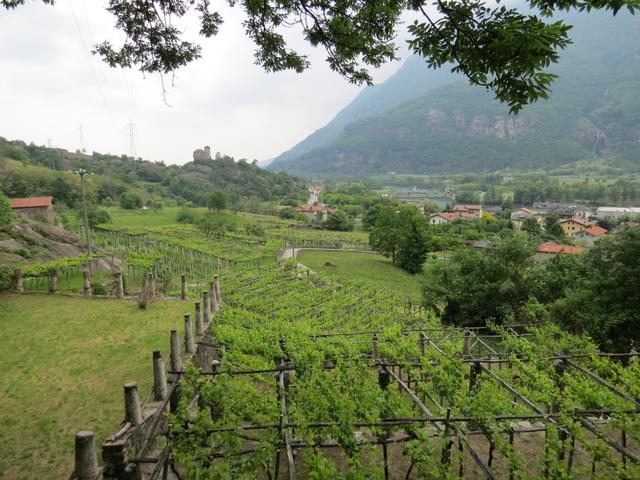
<point x="33" y="207"/>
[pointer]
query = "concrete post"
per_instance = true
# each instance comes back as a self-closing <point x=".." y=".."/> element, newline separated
<point x="176" y="358"/>
<point x="214" y="300"/>
<point x="132" y="411"/>
<point x="183" y="284"/>
<point x="212" y="297"/>
<point x="53" y="281"/>
<point x="86" y="282"/>
<point x="207" y="307"/>
<point x="218" y="294"/>
<point x="119" y="285"/>
<point x="188" y="335"/>
<point x="18" y="277"/>
<point x="86" y="466"/>
<point x="199" y="325"/>
<point x="159" y="377"/>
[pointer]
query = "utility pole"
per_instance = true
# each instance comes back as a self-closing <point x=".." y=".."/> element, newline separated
<point x="131" y="131"/>
<point x="82" y="172"/>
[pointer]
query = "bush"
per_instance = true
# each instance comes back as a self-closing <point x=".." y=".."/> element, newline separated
<point x="130" y="201"/>
<point x="98" y="289"/>
<point x="96" y="216"/>
<point x="287" y="213"/>
<point x="186" y="215"/>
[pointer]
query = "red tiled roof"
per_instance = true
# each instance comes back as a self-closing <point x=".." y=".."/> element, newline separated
<point x="596" y="231"/>
<point x="31" y="202"/>
<point x="556" y="248"/>
<point x="466" y="207"/>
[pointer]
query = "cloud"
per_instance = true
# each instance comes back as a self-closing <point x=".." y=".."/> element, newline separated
<point x="50" y="85"/>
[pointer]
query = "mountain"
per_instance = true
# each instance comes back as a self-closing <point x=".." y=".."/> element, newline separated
<point x="594" y="112"/>
<point x="408" y="82"/>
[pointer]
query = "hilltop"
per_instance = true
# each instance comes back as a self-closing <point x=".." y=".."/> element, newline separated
<point x="448" y="126"/>
<point x="28" y="169"/>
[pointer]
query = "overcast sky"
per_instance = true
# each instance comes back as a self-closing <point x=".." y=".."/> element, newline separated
<point x="50" y="84"/>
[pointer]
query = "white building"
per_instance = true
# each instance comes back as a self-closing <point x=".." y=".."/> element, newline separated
<point x="614" y="213"/>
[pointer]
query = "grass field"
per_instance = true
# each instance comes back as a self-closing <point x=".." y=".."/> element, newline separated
<point x="376" y="270"/>
<point x="64" y="361"/>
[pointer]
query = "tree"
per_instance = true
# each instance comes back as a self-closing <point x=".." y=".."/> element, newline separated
<point x="6" y="215"/>
<point x="603" y="300"/>
<point x="217" y="200"/>
<point x="532" y="227"/>
<point x="401" y="233"/>
<point x="505" y="49"/>
<point x="553" y="228"/>
<point x="474" y="287"/>
<point x="338" y="221"/>
<point x="130" y="201"/>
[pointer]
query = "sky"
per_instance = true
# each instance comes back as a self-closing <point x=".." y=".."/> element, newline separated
<point x="53" y="91"/>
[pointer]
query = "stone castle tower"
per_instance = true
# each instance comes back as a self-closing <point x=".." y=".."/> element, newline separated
<point x="202" y="154"/>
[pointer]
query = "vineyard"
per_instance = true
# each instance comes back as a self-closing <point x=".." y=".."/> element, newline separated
<point x="322" y="380"/>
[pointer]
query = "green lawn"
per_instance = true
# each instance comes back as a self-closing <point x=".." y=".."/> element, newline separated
<point x="64" y="361"/>
<point x="137" y="219"/>
<point x="376" y="270"/>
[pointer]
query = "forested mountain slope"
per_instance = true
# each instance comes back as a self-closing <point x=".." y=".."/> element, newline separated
<point x="594" y="111"/>
<point x="28" y="170"/>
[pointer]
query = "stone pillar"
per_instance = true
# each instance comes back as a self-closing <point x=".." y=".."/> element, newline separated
<point x="218" y="294"/>
<point x="119" y="285"/>
<point x="199" y="325"/>
<point x="86" y="465"/>
<point x="18" y="277"/>
<point x="132" y="411"/>
<point x="176" y="358"/>
<point x="159" y="377"/>
<point x="183" y="285"/>
<point x="53" y="281"/>
<point x="86" y="282"/>
<point x="188" y="335"/>
<point x="207" y="307"/>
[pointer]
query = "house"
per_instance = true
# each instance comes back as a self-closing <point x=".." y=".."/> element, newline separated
<point x="34" y="207"/>
<point x="315" y="211"/>
<point x="614" y="213"/>
<point x="475" y="210"/>
<point x="573" y="225"/>
<point x="591" y="234"/>
<point x="443" y="218"/>
<point x="519" y="216"/>
<point x="550" y="249"/>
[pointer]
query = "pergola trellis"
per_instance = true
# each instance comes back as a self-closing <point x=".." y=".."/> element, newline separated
<point x="481" y="358"/>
